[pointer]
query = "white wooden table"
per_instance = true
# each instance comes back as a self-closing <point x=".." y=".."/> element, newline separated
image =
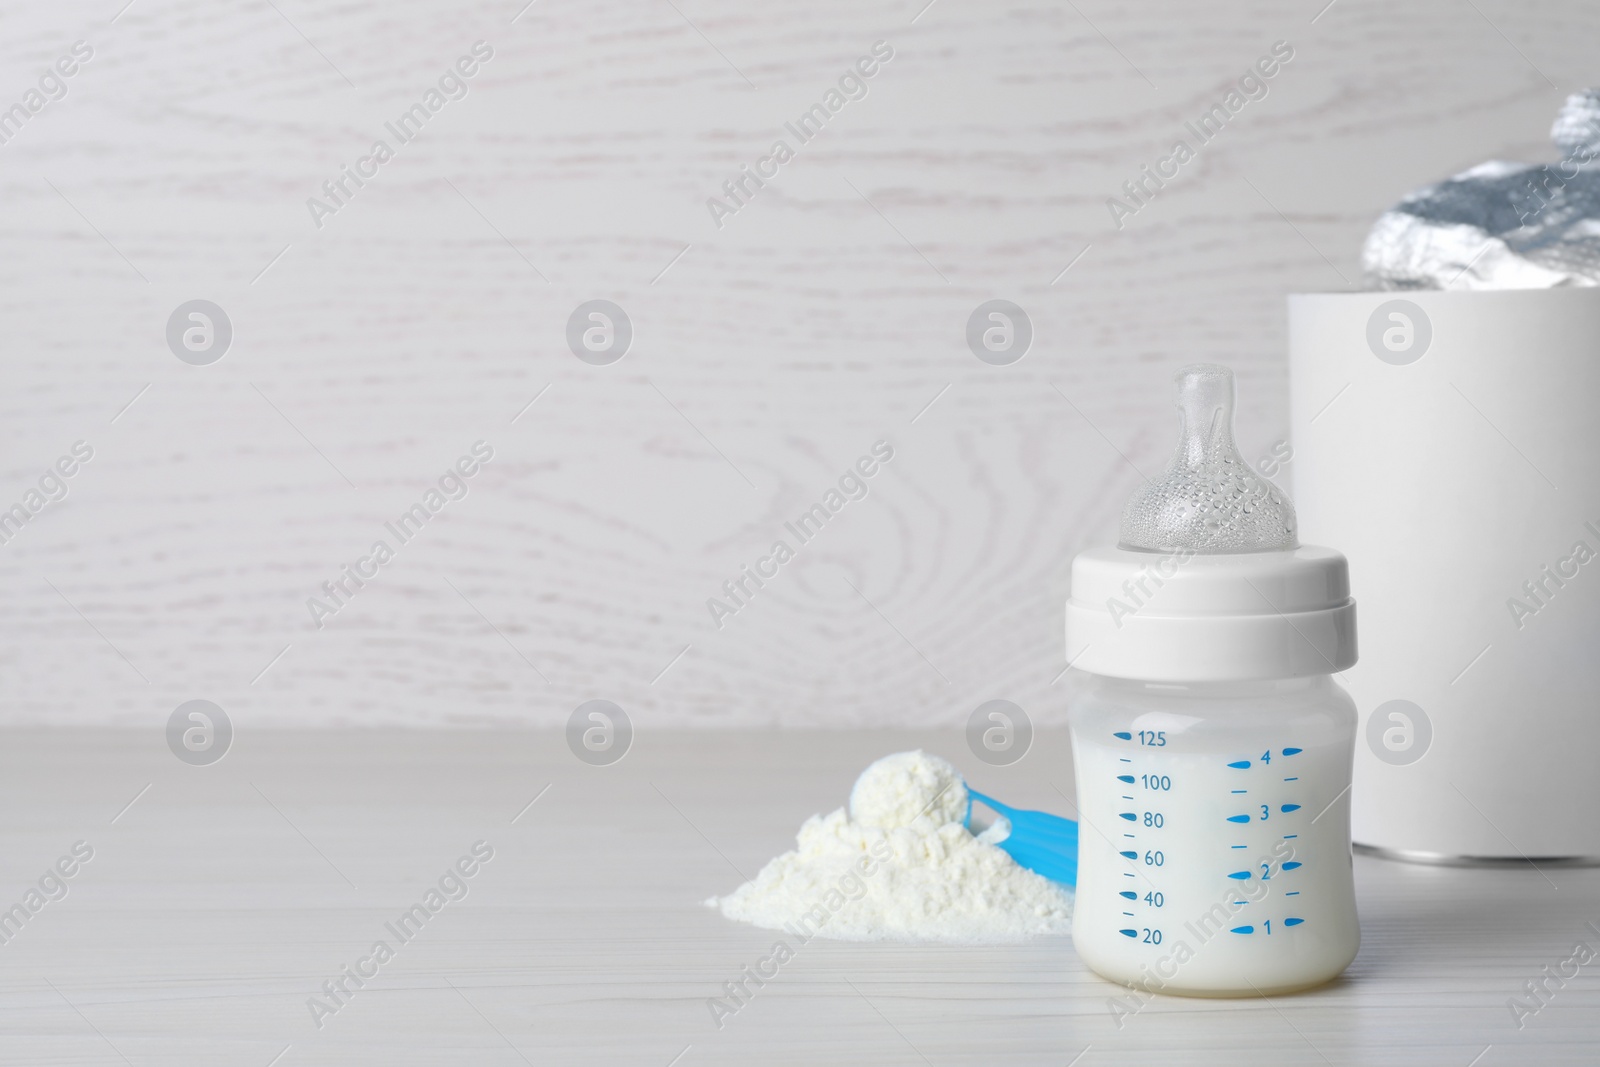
<point x="224" y="896"/>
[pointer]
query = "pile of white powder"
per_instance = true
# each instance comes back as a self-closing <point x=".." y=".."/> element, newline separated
<point x="900" y="865"/>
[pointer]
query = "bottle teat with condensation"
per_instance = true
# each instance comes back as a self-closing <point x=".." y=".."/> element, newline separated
<point x="1211" y="744"/>
<point x="1209" y="499"/>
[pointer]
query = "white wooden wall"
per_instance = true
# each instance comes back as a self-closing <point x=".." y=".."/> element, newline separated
<point x="822" y="317"/>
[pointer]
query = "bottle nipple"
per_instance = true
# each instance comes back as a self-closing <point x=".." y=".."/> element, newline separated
<point x="1208" y="500"/>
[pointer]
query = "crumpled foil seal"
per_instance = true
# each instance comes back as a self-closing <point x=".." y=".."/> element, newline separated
<point x="1500" y="225"/>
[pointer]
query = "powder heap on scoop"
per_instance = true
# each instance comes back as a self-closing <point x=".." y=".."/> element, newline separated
<point x="899" y="789"/>
<point x="900" y="865"/>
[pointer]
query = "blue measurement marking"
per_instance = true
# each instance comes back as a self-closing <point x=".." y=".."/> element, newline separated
<point x="1293" y="922"/>
<point x="1240" y="764"/>
<point x="1127" y="798"/>
<point x="1128" y="933"/>
<point x="1129" y="914"/>
<point x="1241" y="790"/>
<point x="1240" y="846"/>
<point x="1125" y="759"/>
<point x="1127" y="874"/>
<point x="1125" y="778"/>
<point x="1239" y="876"/>
<point x="1296" y="779"/>
<point x="1130" y="816"/>
<point x="1130" y="855"/>
<point x="1123" y="735"/>
<point x="1294" y="894"/>
<point x="1238" y="818"/>
<point x="1290" y="837"/>
<point x="1130" y="836"/>
<point x="1287" y="808"/>
<point x="1130" y="894"/>
<point x="1243" y="930"/>
<point x="1292" y="864"/>
<point x="1293" y="751"/>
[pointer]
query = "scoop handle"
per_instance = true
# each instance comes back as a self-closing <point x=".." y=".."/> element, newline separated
<point x="1044" y="843"/>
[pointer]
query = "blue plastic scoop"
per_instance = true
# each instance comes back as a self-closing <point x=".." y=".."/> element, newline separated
<point x="1045" y="844"/>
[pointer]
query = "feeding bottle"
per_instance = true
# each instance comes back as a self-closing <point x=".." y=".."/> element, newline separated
<point x="1212" y="746"/>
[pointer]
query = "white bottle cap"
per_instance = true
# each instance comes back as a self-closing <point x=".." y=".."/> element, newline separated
<point x="1186" y="616"/>
<point x="1208" y="584"/>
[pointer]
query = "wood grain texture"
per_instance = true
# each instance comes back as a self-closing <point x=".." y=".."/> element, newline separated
<point x="220" y="900"/>
<point x="825" y="315"/>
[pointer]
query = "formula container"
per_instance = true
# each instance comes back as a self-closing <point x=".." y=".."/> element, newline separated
<point x="1212" y="747"/>
<point x="1467" y="422"/>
